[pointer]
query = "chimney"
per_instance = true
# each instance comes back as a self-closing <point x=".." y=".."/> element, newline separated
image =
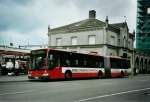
<point x="49" y="30"/>
<point x="106" y="21"/>
<point x="92" y="14"/>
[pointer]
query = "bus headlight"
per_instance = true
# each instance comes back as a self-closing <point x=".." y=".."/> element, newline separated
<point x="45" y="74"/>
<point x="29" y="73"/>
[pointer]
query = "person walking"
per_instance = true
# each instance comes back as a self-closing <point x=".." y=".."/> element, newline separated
<point x="9" y="67"/>
<point x="16" y="67"/>
<point x="3" y="66"/>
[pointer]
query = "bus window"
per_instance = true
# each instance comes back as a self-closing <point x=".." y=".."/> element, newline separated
<point x="101" y="64"/>
<point x="64" y="60"/>
<point x="126" y="64"/>
<point x="50" y="57"/>
<point x="37" y="60"/>
<point x="114" y="63"/>
<point x="85" y="63"/>
<point x="81" y="60"/>
<point x="53" y="60"/>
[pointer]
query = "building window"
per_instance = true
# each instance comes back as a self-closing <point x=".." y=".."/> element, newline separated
<point x="111" y="54"/>
<point x="58" y="41"/>
<point x="74" y="40"/>
<point x="129" y="44"/>
<point x="148" y="10"/>
<point x="124" y="41"/>
<point x="91" y="39"/>
<point x="119" y="42"/>
<point x="112" y="40"/>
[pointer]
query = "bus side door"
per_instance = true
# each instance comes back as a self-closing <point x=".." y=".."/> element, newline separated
<point x="107" y="67"/>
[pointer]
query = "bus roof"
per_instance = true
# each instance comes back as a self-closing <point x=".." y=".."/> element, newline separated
<point x="118" y="57"/>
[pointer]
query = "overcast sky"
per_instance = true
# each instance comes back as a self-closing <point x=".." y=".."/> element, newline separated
<point x="26" y="21"/>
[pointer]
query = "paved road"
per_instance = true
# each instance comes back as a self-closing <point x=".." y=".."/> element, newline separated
<point x="132" y="89"/>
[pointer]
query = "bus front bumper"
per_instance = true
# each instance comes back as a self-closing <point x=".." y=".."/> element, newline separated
<point x="43" y="77"/>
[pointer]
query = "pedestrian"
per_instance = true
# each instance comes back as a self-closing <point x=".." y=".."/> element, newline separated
<point x="9" y="67"/>
<point x="16" y="67"/>
<point x="3" y="70"/>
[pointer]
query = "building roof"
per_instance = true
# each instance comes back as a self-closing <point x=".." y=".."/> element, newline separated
<point x="4" y="50"/>
<point x="87" y="24"/>
<point x="84" y="25"/>
<point x="120" y="25"/>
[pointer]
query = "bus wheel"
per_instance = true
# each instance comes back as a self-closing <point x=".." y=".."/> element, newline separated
<point x="68" y="75"/>
<point x="122" y="74"/>
<point x="100" y="75"/>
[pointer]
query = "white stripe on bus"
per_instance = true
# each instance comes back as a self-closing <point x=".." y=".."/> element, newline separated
<point x="82" y="70"/>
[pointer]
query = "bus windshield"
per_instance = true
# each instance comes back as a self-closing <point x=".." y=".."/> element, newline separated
<point x="38" y="59"/>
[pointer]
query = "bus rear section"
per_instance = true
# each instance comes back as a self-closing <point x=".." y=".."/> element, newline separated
<point x="119" y="67"/>
<point x="54" y="64"/>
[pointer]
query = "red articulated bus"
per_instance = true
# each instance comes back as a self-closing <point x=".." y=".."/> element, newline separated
<point x="55" y="64"/>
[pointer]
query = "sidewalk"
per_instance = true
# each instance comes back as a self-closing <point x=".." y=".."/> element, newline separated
<point x="19" y="78"/>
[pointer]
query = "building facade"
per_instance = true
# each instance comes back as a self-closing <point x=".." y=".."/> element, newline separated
<point x="94" y="36"/>
<point x="142" y="61"/>
<point x="143" y="25"/>
<point x="142" y="51"/>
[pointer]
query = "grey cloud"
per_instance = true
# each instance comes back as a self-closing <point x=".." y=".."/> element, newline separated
<point x="14" y="15"/>
<point x="15" y="2"/>
<point x="106" y="7"/>
<point x="27" y="16"/>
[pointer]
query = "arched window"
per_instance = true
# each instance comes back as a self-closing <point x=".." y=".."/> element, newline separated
<point x="119" y="43"/>
<point x="141" y="65"/>
<point x="129" y="45"/>
<point x="145" y="66"/>
<point x="136" y="69"/>
<point x="148" y="66"/>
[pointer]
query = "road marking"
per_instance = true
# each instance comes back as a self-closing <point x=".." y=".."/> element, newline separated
<point x="13" y="93"/>
<point x="143" y="80"/>
<point x="108" y="95"/>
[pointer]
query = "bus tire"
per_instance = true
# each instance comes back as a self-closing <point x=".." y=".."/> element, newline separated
<point x="100" y="75"/>
<point x="122" y="74"/>
<point x="68" y="75"/>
